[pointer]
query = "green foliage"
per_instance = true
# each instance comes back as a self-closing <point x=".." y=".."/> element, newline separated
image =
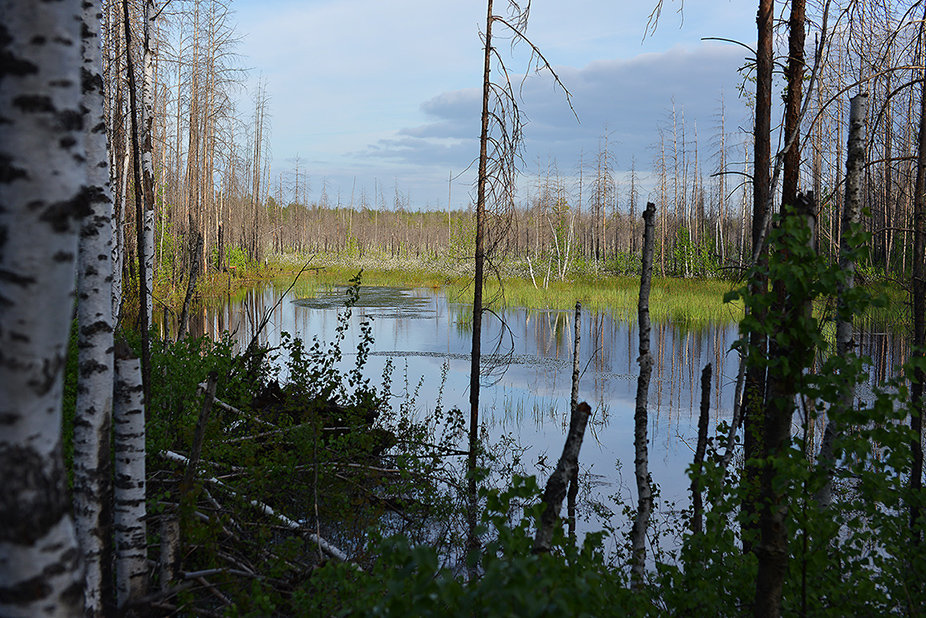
<point x="412" y="580"/>
<point x="237" y="258"/>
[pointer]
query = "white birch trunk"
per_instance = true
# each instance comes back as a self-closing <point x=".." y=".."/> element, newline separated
<point x="855" y="166"/>
<point x="146" y="160"/>
<point x="42" y="203"/>
<point x="93" y="414"/>
<point x="129" y="511"/>
<point x="118" y="232"/>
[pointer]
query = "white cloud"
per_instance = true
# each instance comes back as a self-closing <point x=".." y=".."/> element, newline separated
<point x="389" y="90"/>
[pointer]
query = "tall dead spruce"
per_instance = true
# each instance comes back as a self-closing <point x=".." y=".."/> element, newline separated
<point x="499" y="152"/>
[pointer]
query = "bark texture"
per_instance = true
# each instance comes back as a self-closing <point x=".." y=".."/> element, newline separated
<point x="129" y="512"/>
<point x="845" y="345"/>
<point x="556" y="486"/>
<point x="754" y="389"/>
<point x="93" y="413"/>
<point x="640" y="417"/>
<point x="43" y="201"/>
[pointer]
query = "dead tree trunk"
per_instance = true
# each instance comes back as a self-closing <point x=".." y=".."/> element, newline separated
<point x="573" y="404"/>
<point x="919" y="321"/>
<point x="761" y="187"/>
<point x="139" y="210"/>
<point x="556" y="485"/>
<point x="855" y="166"/>
<point x="697" y="508"/>
<point x="196" y="250"/>
<point x="472" y="540"/>
<point x="640" y="417"/>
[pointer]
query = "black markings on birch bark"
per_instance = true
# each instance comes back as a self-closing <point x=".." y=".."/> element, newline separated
<point x="40" y="139"/>
<point x="640" y="417"/>
<point x="129" y="512"/>
<point x="855" y="166"/>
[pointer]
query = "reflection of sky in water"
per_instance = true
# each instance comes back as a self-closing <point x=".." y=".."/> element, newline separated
<point x="420" y="331"/>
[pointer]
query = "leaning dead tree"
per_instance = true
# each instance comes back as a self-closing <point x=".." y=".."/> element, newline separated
<point x="565" y="475"/>
<point x="561" y="477"/>
<point x="499" y="153"/>
<point x="640" y="417"/>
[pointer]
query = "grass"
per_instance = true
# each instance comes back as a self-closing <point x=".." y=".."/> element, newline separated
<point x="682" y="301"/>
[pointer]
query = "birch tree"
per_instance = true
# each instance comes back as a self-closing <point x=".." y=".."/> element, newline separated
<point x="640" y="417"/>
<point x="43" y="200"/>
<point x="129" y="511"/>
<point x="149" y="15"/>
<point x="93" y="412"/>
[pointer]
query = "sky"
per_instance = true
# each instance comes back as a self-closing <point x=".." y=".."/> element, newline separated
<point x="386" y="94"/>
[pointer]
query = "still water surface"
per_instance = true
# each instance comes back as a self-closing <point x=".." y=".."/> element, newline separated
<point x="526" y="394"/>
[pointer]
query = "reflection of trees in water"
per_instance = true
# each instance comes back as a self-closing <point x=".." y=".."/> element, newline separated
<point x="608" y="362"/>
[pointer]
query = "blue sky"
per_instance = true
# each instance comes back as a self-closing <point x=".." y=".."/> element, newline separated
<point x="387" y="92"/>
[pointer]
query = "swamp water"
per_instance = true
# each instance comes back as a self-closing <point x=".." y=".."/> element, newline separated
<point x="524" y="400"/>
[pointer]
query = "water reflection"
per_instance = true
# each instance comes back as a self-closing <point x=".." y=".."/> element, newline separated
<point x="422" y="331"/>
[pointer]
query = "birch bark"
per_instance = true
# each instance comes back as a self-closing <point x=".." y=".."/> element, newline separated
<point x="42" y="204"/>
<point x="641" y="458"/>
<point x="149" y="17"/>
<point x="855" y="166"/>
<point x="129" y="511"/>
<point x="93" y="413"/>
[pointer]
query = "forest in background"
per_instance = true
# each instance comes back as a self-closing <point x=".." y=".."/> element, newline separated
<point x="211" y="166"/>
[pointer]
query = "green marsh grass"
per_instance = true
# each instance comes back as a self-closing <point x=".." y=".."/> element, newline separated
<point x="682" y="301"/>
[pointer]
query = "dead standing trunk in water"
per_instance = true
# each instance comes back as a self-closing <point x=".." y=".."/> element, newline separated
<point x="640" y="417"/>
<point x="472" y="541"/>
<point x="697" y="508"/>
<point x="196" y="250"/>
<point x="573" y="405"/>
<point x="855" y="167"/>
<point x="565" y="469"/>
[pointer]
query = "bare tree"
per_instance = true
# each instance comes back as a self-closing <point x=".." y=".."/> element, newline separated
<point x="640" y="418"/>
<point x="855" y="165"/>
<point x="499" y="152"/>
